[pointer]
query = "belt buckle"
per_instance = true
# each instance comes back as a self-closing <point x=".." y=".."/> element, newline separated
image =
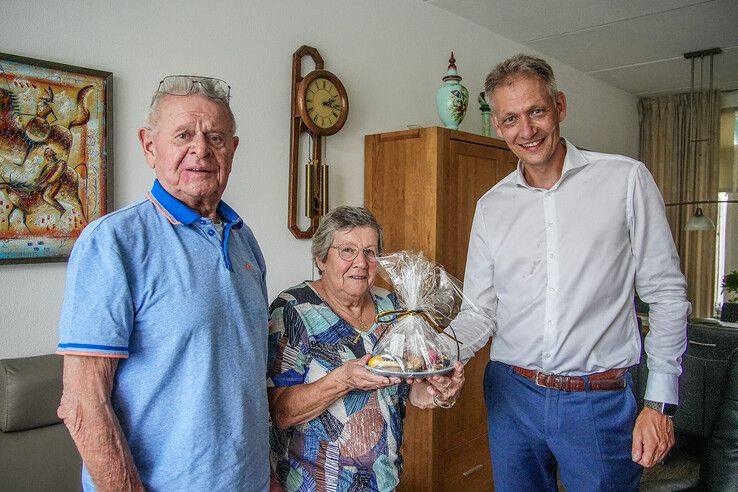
<point x="537" y="379"/>
<point x="551" y="381"/>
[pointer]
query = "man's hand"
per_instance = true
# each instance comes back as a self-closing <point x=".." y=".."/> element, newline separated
<point x="447" y="388"/>
<point x="444" y="388"/>
<point x="653" y="437"/>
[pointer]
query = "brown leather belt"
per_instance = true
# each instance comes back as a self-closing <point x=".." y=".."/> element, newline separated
<point x="601" y="381"/>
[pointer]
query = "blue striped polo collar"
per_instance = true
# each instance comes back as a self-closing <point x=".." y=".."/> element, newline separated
<point x="179" y="213"/>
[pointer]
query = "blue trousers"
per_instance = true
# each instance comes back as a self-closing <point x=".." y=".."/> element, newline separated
<point x="534" y="430"/>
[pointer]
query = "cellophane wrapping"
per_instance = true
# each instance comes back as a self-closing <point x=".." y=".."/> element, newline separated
<point x="428" y="296"/>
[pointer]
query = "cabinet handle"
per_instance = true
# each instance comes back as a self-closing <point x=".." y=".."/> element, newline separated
<point x="703" y="344"/>
<point x="472" y="470"/>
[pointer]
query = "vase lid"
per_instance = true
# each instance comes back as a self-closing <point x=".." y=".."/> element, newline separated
<point x="452" y="74"/>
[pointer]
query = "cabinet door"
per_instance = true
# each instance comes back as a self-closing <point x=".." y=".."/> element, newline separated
<point x="470" y="170"/>
<point x="399" y="188"/>
<point x="423" y="187"/>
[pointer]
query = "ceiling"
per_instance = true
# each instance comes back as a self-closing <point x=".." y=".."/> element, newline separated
<point x="637" y="46"/>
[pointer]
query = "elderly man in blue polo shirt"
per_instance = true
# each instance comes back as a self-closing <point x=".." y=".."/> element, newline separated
<point x="164" y="322"/>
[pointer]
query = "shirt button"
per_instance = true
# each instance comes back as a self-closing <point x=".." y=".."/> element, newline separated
<point x="550" y="225"/>
<point x="203" y="221"/>
<point x="211" y="232"/>
<point x="546" y="356"/>
<point x="552" y="290"/>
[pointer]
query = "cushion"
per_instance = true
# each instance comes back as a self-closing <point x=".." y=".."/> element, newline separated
<point x="30" y="391"/>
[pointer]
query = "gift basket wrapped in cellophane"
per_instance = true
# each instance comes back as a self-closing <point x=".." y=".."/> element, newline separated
<point x="412" y="340"/>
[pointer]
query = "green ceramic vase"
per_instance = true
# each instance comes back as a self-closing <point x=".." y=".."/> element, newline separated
<point x="452" y="97"/>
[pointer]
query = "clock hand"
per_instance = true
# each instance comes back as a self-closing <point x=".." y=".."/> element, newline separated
<point x="331" y="104"/>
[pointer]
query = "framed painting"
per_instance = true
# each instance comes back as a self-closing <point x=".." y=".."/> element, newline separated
<point x="55" y="156"/>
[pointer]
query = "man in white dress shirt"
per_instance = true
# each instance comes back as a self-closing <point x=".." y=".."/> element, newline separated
<point x="557" y="251"/>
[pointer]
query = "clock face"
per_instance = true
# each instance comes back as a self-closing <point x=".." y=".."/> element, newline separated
<point x="322" y="102"/>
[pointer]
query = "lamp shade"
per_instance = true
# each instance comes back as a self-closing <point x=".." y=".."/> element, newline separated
<point x="698" y="222"/>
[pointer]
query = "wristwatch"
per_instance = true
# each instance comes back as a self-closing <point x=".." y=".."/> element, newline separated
<point x="668" y="409"/>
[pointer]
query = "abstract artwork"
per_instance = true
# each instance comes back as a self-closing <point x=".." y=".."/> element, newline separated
<point x="55" y="156"/>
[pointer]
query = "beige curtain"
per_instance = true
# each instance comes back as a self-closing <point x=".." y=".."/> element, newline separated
<point x="685" y="166"/>
<point x="728" y="151"/>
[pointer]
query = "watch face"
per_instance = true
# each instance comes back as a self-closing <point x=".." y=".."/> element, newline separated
<point x="668" y="409"/>
<point x="323" y="103"/>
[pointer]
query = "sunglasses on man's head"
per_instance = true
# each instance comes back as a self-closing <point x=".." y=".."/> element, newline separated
<point x="182" y="85"/>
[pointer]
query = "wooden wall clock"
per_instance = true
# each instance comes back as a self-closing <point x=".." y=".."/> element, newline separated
<point x="319" y="108"/>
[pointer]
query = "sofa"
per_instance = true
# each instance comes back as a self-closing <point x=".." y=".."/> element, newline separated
<point x="36" y="452"/>
<point x="719" y="469"/>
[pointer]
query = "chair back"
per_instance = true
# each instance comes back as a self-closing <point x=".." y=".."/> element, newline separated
<point x="719" y="470"/>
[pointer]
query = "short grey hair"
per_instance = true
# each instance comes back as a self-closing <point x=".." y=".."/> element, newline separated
<point x="203" y="88"/>
<point x="516" y="66"/>
<point x="342" y="218"/>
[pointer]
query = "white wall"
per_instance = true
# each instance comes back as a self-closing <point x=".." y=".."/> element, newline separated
<point x="390" y="55"/>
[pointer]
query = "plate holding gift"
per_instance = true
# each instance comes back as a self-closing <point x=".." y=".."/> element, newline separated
<point x="412" y="341"/>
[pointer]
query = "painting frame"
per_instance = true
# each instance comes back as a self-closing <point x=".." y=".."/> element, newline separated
<point x="56" y="156"/>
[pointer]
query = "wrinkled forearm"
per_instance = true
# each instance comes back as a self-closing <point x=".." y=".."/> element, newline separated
<point x="301" y="403"/>
<point x="87" y="412"/>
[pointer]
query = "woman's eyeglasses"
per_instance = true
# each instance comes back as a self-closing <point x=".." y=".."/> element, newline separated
<point x="182" y="85"/>
<point x="349" y="252"/>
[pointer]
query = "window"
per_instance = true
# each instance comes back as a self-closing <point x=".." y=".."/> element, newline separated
<point x="726" y="247"/>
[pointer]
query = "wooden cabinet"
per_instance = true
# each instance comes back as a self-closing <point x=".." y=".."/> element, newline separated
<point x="423" y="185"/>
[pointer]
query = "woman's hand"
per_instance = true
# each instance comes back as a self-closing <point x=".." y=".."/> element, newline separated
<point x="302" y="403"/>
<point x="355" y="375"/>
<point x="443" y="389"/>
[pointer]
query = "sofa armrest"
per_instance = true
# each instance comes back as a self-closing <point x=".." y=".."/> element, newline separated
<point x="30" y="391"/>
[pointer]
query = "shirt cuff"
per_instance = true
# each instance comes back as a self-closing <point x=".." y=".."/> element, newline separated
<point x="663" y="388"/>
<point x="92" y="349"/>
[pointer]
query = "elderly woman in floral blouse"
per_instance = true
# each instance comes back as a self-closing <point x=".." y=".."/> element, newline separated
<point x="336" y="425"/>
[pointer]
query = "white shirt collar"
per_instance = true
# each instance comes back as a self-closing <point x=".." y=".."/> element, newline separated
<point x="573" y="162"/>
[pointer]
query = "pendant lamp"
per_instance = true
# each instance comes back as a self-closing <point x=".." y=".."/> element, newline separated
<point x="699" y="222"/>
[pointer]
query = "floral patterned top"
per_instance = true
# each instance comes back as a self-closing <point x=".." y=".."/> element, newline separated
<point x="354" y="445"/>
